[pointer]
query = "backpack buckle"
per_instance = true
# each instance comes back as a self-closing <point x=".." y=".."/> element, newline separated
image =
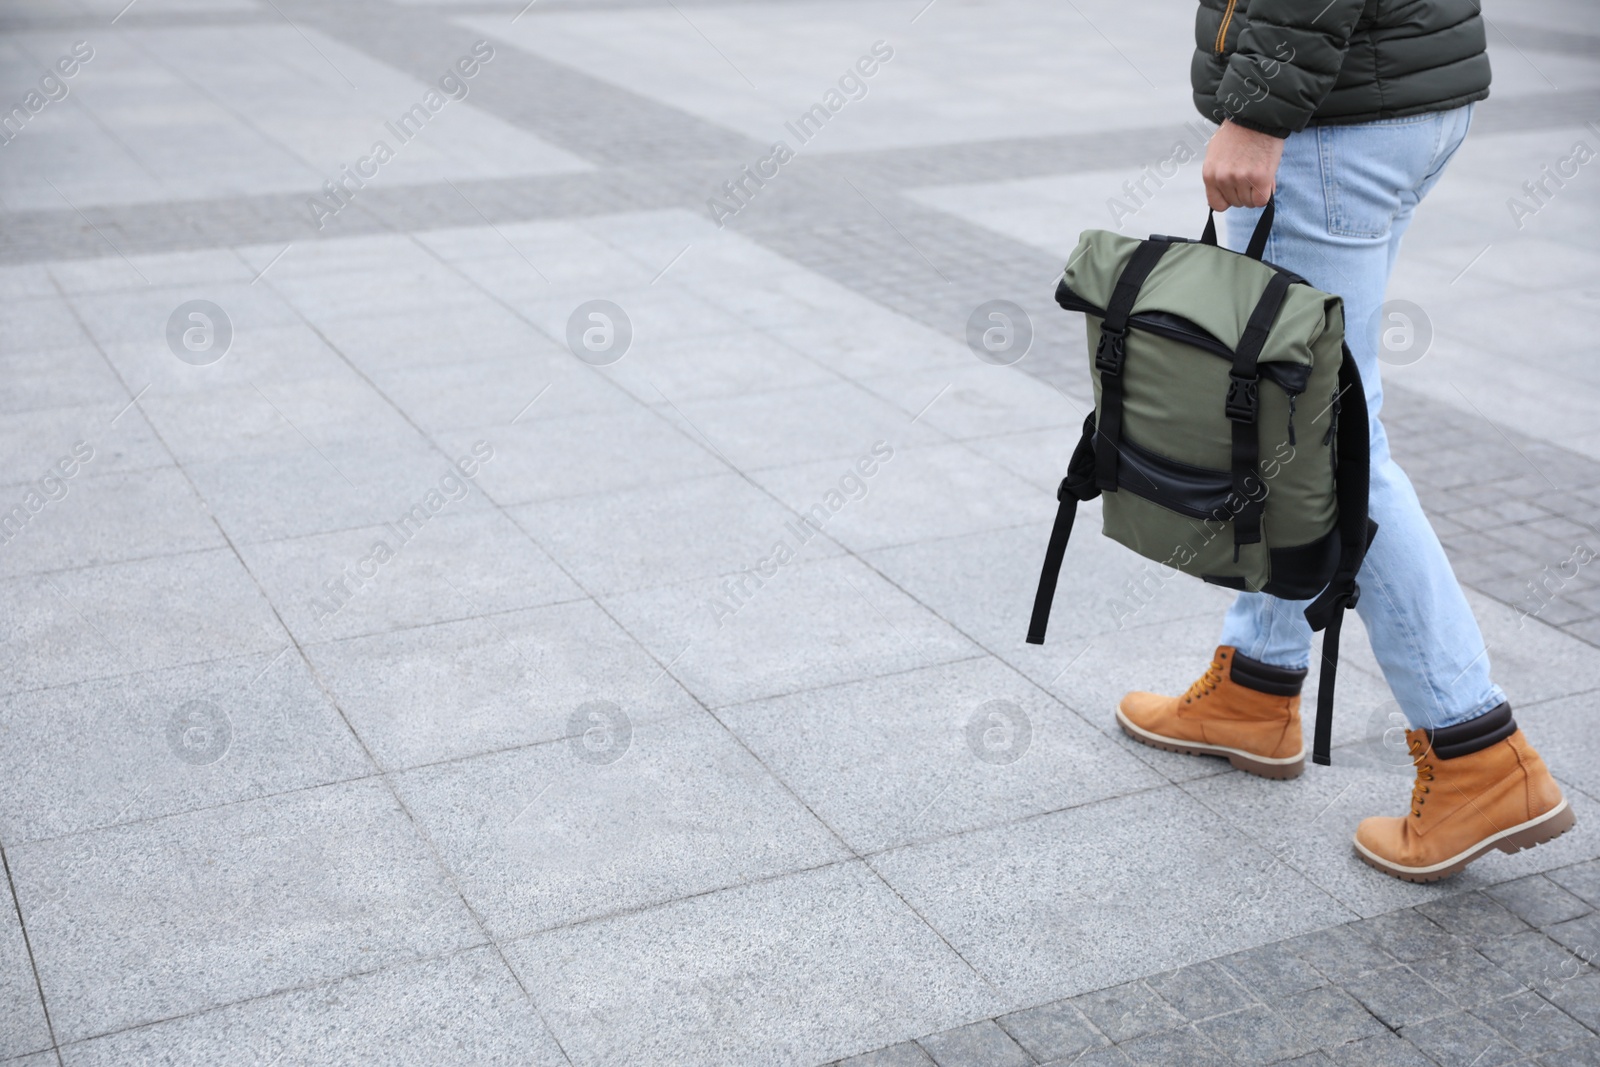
<point x="1110" y="353"/>
<point x="1242" y="399"/>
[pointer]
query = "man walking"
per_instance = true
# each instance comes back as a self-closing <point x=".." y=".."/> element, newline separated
<point x="1349" y="114"/>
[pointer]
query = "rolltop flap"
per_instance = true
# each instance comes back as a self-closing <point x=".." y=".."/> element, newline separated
<point x="1212" y="287"/>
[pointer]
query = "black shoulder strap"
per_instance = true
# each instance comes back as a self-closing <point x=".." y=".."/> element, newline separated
<point x="1077" y="485"/>
<point x="1110" y="353"/>
<point x="1241" y="407"/>
<point x="1356" y="531"/>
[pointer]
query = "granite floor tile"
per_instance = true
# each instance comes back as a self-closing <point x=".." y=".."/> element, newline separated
<point x="981" y="1044"/>
<point x="309" y="886"/>
<point x="1385" y="1050"/>
<point x="929" y="752"/>
<point x="1398" y="996"/>
<point x="1533" y="1024"/>
<point x="1185" y="1045"/>
<point x="463" y="1009"/>
<point x="1127" y="1011"/>
<point x="719" y="979"/>
<point x="311" y="490"/>
<point x="422" y="569"/>
<point x="109" y="518"/>
<point x="535" y="837"/>
<point x="1058" y="904"/>
<point x="1272" y="970"/>
<point x="1054" y="1031"/>
<point x="1461" y="1038"/>
<point x="809" y="625"/>
<point x="33" y="443"/>
<point x="75" y="374"/>
<point x="1254" y="1036"/>
<point x="905" y="1054"/>
<point x="478" y="685"/>
<point x="23" y="1028"/>
<point x="835" y="422"/>
<point x="91" y="622"/>
<point x="719" y="526"/>
<point x="541" y="458"/>
<point x="1327" y="1016"/>
<point x="1201" y="991"/>
<point x="1581" y="880"/>
<point x="917" y="495"/>
<point x="136" y="747"/>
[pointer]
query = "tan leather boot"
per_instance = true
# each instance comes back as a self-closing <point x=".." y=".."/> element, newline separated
<point x="1242" y="709"/>
<point x="1479" y="786"/>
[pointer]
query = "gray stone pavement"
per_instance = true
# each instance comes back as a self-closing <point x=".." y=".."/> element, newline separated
<point x="382" y="682"/>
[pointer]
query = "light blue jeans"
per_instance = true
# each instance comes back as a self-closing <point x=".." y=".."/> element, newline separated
<point x="1345" y="197"/>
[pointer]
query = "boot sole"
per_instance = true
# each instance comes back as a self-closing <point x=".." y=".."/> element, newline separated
<point x="1547" y="827"/>
<point x="1249" y="762"/>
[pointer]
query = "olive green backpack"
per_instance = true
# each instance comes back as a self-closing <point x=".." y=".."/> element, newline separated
<point x="1229" y="436"/>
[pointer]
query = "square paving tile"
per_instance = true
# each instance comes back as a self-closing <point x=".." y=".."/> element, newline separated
<point x="126" y="749"/>
<point x="453" y="564"/>
<point x="308" y="886"/>
<point x="754" y="974"/>
<point x="465" y="1009"/>
<point x="558" y="833"/>
<point x="809" y="625"/>
<point x="1053" y="1031"/>
<point x="980" y="1044"/>
<point x="93" y="622"/>
<point x="478" y="685"/>
<point x="543" y="458"/>
<point x="718" y="526"/>
<point x="928" y="752"/>
<point x="916" y="495"/>
<point x="1058" y="904"/>
<point x="22" y="1023"/>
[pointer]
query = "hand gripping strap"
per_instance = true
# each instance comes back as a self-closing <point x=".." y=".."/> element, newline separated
<point x="1078" y="485"/>
<point x="1241" y="408"/>
<point x="1110" y="353"/>
<point x="1356" y="531"/>
<point x="1258" y="238"/>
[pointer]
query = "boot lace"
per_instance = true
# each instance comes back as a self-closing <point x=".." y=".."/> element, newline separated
<point x="1205" y="683"/>
<point x="1420" y="789"/>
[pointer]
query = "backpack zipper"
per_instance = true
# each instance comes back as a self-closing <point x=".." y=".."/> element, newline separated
<point x="1222" y="30"/>
<point x="1292" y="398"/>
<point x="1333" y="432"/>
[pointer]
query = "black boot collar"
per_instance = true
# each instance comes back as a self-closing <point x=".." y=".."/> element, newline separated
<point x="1474" y="735"/>
<point x="1264" y="677"/>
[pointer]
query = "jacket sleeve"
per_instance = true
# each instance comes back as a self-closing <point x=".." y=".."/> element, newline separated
<point x="1285" y="62"/>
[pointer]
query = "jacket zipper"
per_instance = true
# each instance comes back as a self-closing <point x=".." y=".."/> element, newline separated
<point x="1222" y="31"/>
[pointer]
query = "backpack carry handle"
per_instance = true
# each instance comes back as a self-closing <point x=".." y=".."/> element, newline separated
<point x="1258" y="240"/>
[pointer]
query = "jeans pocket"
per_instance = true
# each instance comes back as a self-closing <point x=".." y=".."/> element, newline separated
<point x="1368" y="167"/>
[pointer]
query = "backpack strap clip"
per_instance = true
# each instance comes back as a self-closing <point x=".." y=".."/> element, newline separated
<point x="1112" y="350"/>
<point x="1243" y="399"/>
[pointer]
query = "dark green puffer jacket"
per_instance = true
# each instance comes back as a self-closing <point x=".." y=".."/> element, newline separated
<point x="1280" y="65"/>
